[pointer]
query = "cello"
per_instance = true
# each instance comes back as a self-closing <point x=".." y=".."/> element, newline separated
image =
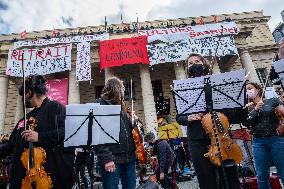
<point x="33" y="159"/>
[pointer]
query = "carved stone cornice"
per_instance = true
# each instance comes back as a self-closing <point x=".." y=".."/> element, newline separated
<point x="272" y="47"/>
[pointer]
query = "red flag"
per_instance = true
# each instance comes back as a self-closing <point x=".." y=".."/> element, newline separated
<point x="201" y="22"/>
<point x="23" y="34"/>
<point x="215" y="19"/>
<point x="118" y="52"/>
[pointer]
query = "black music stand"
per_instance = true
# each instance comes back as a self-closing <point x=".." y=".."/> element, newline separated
<point x="103" y="125"/>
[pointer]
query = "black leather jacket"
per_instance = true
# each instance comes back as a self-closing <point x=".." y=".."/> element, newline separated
<point x="264" y="122"/>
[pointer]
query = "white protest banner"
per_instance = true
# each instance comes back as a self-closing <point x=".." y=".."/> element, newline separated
<point x="198" y="31"/>
<point x="39" y="61"/>
<point x="62" y="40"/>
<point x="178" y="47"/>
<point x="83" y="64"/>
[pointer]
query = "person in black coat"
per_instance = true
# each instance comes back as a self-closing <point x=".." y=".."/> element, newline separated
<point x="117" y="161"/>
<point x="48" y="134"/>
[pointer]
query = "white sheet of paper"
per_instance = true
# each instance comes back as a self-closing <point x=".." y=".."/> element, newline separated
<point x="111" y="124"/>
<point x="184" y="131"/>
<point x="221" y="82"/>
<point x="279" y="67"/>
<point x="220" y="101"/>
<point x="270" y="93"/>
<point x="196" y="84"/>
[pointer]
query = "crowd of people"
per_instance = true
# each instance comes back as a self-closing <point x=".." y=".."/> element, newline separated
<point x="117" y="162"/>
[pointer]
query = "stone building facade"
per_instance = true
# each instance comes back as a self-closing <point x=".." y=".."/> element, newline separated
<point x="255" y="44"/>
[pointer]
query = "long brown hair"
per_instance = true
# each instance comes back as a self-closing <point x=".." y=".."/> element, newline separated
<point x="113" y="91"/>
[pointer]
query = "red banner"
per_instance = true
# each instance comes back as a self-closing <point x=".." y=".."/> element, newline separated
<point x="118" y="52"/>
<point x="58" y="90"/>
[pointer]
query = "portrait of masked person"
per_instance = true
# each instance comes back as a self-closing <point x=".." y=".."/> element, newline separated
<point x="208" y="175"/>
<point x="48" y="134"/>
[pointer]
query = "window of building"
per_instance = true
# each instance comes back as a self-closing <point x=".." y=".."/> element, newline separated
<point x="262" y="76"/>
<point x="157" y="89"/>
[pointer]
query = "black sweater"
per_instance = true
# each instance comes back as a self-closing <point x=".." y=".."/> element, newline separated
<point x="50" y="127"/>
<point x="165" y="155"/>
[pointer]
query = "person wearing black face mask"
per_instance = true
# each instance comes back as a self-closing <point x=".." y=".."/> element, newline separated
<point x="48" y="134"/>
<point x="209" y="177"/>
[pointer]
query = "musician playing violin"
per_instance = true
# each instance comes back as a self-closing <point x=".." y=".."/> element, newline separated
<point x="117" y="161"/>
<point x="208" y="175"/>
<point x="48" y="134"/>
<point x="267" y="146"/>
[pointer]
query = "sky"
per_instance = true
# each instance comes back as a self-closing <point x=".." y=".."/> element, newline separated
<point x="35" y="15"/>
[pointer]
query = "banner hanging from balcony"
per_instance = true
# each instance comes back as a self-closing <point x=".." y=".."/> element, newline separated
<point x="177" y="47"/>
<point x="194" y="32"/>
<point x="83" y="65"/>
<point x="62" y="40"/>
<point x="58" y="90"/>
<point x="39" y="61"/>
<point x="118" y="52"/>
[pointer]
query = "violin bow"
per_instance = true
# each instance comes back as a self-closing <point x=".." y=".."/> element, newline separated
<point x="24" y="93"/>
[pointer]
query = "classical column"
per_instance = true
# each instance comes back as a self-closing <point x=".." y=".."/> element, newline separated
<point x="248" y="65"/>
<point x="19" y="109"/>
<point x="179" y="71"/>
<point x="74" y="92"/>
<point x="108" y="74"/>
<point x="148" y="98"/>
<point x="3" y="98"/>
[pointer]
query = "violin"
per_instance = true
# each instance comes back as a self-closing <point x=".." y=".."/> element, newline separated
<point x="33" y="159"/>
<point x="222" y="147"/>
<point x="137" y="136"/>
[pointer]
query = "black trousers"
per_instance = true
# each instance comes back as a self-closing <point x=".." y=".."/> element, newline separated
<point x="208" y="175"/>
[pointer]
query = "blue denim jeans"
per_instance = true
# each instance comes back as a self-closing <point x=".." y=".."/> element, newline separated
<point x="267" y="150"/>
<point x="125" y="172"/>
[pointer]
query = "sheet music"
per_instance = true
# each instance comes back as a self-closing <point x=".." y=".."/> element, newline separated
<point x="111" y="124"/>
<point x="231" y="84"/>
<point x="190" y="89"/>
<point x="279" y="68"/>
